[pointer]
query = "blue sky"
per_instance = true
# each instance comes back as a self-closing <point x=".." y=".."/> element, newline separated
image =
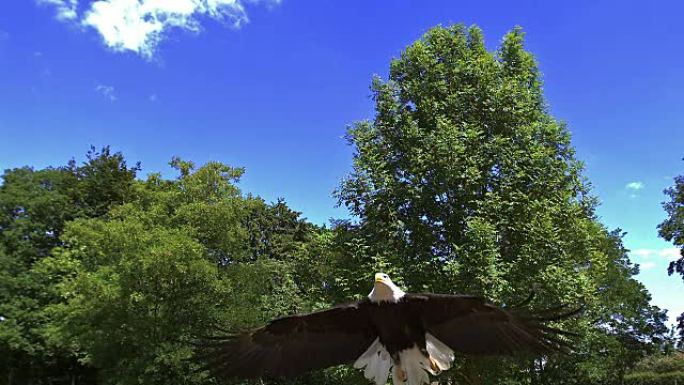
<point x="271" y="85"/>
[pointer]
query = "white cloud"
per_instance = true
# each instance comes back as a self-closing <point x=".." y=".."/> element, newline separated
<point x="643" y="253"/>
<point x="140" y="25"/>
<point x="647" y="265"/>
<point x="671" y="253"/>
<point x="635" y="186"/>
<point x="66" y="9"/>
<point x="668" y="253"/>
<point x="106" y="91"/>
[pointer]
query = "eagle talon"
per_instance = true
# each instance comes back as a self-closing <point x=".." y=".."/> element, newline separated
<point x="402" y="374"/>
<point x="433" y="365"/>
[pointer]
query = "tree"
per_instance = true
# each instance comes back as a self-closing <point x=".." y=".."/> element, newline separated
<point x="672" y="230"/>
<point x="35" y="205"/>
<point x="464" y="183"/>
<point x="178" y="260"/>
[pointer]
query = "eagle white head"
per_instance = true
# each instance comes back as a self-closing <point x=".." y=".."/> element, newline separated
<point x="384" y="290"/>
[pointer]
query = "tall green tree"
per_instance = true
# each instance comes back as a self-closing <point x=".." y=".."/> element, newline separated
<point x="463" y="182"/>
<point x="672" y="230"/>
<point x="35" y="205"/>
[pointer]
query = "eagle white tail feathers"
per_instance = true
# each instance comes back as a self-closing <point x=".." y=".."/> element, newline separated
<point x="415" y="366"/>
<point x="377" y="362"/>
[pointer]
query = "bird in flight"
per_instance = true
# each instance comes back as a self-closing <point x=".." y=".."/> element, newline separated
<point x="409" y="335"/>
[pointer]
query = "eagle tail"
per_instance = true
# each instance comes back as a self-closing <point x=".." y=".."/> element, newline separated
<point x="414" y="364"/>
<point x="376" y="362"/>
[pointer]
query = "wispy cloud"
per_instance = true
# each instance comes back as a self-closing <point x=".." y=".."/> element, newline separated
<point x="667" y="253"/>
<point x="647" y="265"/>
<point x="635" y="186"/>
<point x="140" y="25"/>
<point x="66" y="9"/>
<point x="106" y="91"/>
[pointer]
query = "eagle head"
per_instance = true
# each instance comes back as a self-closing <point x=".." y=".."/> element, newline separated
<point x="384" y="290"/>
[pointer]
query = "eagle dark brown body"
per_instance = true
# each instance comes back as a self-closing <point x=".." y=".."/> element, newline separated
<point x="397" y="325"/>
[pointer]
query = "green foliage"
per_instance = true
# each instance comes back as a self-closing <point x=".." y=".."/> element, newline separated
<point x="649" y="378"/>
<point x="464" y="183"/>
<point x="104" y="272"/>
<point x="672" y="230"/>
<point x="179" y="259"/>
<point x="658" y="369"/>
<point x="662" y="363"/>
<point x="135" y="290"/>
<point x="462" y="162"/>
<point x="35" y="205"/>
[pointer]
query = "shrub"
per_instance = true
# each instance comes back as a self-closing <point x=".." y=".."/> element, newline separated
<point x="652" y="378"/>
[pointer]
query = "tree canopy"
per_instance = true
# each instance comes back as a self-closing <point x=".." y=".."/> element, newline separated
<point x="175" y="259"/>
<point x="35" y="206"/>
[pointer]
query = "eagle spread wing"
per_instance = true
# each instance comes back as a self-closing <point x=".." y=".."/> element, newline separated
<point x="292" y="345"/>
<point x="469" y="325"/>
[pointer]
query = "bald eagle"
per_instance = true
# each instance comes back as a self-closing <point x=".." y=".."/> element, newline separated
<point x="411" y="335"/>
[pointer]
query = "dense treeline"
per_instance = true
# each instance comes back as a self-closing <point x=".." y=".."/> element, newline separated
<point x="661" y="369"/>
<point x="122" y="284"/>
<point x="462" y="183"/>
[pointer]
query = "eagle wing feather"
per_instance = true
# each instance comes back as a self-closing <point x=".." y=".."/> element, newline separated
<point x="292" y="345"/>
<point x="470" y="325"/>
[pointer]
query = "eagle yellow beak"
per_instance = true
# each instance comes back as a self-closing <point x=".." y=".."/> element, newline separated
<point x="378" y="278"/>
